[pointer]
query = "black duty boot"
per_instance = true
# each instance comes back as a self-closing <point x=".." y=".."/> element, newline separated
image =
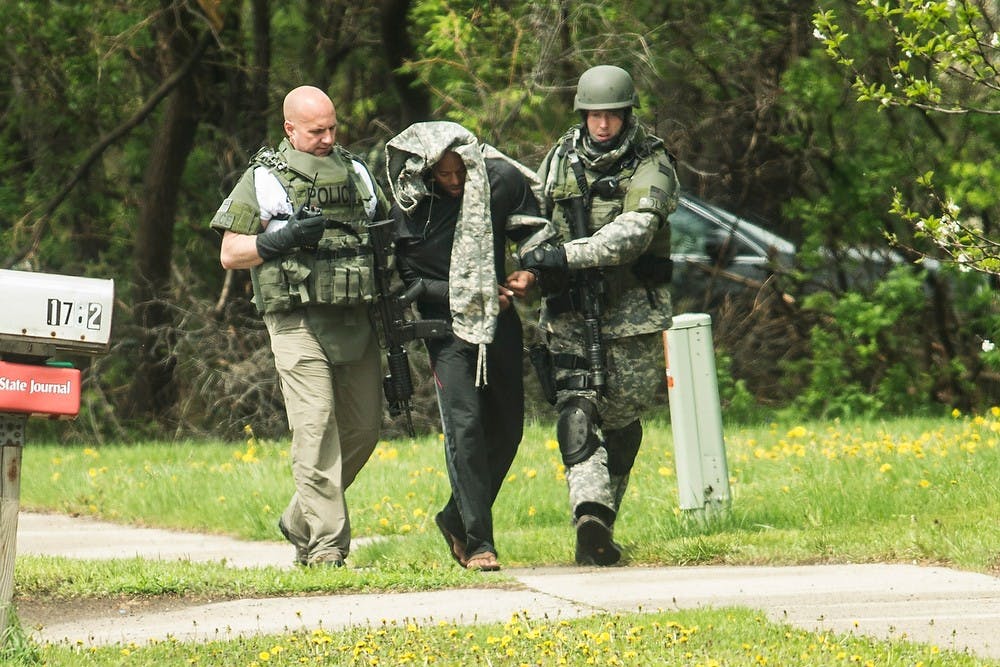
<point x="594" y="545"/>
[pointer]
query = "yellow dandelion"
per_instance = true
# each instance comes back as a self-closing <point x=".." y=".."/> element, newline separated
<point x="551" y="444"/>
<point x="885" y="467"/>
<point x="924" y="483"/>
<point x="532" y="511"/>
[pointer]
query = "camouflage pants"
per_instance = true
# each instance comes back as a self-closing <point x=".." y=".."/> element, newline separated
<point x="635" y="369"/>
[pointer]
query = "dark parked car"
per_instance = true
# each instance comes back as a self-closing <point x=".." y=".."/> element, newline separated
<point x="716" y="253"/>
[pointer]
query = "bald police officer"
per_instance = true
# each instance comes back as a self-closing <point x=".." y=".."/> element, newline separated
<point x="297" y="220"/>
<point x="603" y="324"/>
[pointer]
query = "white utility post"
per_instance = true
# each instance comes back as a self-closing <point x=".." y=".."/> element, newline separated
<point x="43" y="314"/>
<point x="696" y="415"/>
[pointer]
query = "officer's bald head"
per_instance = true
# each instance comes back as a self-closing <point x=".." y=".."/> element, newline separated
<point x="310" y="120"/>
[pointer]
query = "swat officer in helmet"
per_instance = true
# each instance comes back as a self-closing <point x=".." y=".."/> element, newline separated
<point x="297" y="220"/>
<point x="608" y="188"/>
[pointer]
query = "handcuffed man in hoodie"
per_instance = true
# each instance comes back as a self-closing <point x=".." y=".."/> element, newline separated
<point x="459" y="202"/>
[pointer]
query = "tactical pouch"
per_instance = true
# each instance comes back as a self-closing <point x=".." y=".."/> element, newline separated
<point x="342" y="274"/>
<point x="278" y="285"/>
<point x="541" y="360"/>
<point x="342" y="285"/>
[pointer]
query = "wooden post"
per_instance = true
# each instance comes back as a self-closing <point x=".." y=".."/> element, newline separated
<point x="11" y="442"/>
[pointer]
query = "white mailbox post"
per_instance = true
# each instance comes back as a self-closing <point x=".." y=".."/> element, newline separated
<point x="696" y="415"/>
<point x="41" y="315"/>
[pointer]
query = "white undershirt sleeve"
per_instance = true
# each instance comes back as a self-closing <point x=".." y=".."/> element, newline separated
<point x="271" y="196"/>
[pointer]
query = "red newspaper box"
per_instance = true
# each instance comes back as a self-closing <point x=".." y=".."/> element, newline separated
<point x="39" y="390"/>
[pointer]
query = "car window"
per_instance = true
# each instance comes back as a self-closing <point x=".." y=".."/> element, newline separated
<point x="688" y="232"/>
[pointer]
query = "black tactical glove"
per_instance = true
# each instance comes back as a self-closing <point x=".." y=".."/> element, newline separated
<point x="304" y="228"/>
<point x="545" y="258"/>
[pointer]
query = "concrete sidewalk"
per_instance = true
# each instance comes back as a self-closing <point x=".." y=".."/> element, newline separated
<point x="952" y="609"/>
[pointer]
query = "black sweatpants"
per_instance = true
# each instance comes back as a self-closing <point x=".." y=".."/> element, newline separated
<point x="482" y="426"/>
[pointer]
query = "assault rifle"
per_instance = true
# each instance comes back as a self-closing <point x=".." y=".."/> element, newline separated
<point x="395" y="330"/>
<point x="589" y="287"/>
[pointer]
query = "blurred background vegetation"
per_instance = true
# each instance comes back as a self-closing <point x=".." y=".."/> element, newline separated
<point x="124" y="125"/>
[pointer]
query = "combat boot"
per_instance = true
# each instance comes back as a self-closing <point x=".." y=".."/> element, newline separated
<point x="594" y="545"/>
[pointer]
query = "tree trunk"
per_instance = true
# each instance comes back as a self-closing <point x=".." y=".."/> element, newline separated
<point x="414" y="99"/>
<point x="153" y="392"/>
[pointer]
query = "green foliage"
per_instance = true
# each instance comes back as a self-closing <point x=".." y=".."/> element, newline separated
<point x="477" y="60"/>
<point x="738" y="403"/>
<point x="761" y="119"/>
<point x="940" y="57"/>
<point x="865" y="354"/>
<point x="16" y="647"/>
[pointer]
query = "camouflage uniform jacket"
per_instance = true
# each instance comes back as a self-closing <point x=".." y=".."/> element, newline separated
<point x="633" y="189"/>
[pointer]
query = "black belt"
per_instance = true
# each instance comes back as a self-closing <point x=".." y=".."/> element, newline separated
<point x="576" y="382"/>
<point x="570" y="362"/>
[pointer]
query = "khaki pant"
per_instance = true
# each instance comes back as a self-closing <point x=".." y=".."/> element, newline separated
<point x="334" y="412"/>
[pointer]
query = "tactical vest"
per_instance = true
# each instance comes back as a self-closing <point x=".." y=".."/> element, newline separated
<point x="642" y="184"/>
<point x="339" y="270"/>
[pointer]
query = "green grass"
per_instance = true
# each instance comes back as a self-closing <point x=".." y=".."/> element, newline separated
<point x="907" y="490"/>
<point x="900" y="491"/>
<point x="698" y="638"/>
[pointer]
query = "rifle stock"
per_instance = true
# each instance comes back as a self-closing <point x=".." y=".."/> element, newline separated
<point x="395" y="329"/>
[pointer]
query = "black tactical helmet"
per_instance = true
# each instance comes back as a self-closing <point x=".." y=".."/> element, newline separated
<point x="605" y="87"/>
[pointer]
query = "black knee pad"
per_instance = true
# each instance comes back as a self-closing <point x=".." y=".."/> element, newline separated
<point x="623" y="446"/>
<point x="575" y="431"/>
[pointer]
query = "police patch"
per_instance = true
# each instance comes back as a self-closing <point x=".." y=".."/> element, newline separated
<point x="666" y="170"/>
<point x="649" y="204"/>
<point x="226" y="203"/>
<point x="658" y="193"/>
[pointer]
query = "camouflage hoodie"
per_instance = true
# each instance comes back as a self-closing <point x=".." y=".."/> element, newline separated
<point x="472" y="290"/>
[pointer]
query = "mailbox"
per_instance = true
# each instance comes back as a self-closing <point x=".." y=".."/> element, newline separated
<point x="41" y="314"/>
<point x="45" y="313"/>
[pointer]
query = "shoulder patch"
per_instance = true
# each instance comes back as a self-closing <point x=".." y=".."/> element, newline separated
<point x="658" y="192"/>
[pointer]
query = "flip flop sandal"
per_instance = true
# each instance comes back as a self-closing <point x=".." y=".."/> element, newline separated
<point x="485" y="561"/>
<point x="456" y="547"/>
